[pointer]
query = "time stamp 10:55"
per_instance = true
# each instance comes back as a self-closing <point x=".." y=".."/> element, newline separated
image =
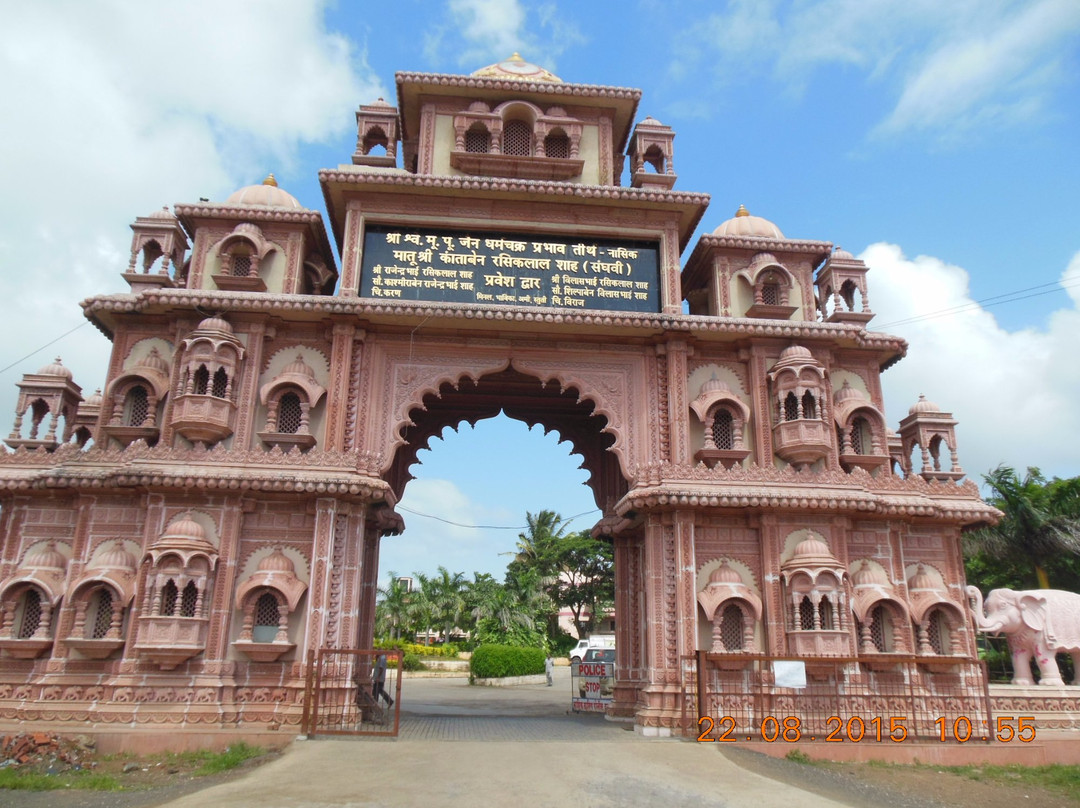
<point x="789" y="729"/>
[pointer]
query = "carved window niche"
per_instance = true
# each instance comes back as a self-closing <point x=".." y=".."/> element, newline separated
<point x="724" y="417"/>
<point x="242" y="252"/>
<point x="136" y="399"/>
<point x="939" y="624"/>
<point x="174" y="613"/>
<point x="772" y="285"/>
<point x="289" y="399"/>
<point x="816" y="601"/>
<point x="800" y="434"/>
<point x="734" y="611"/>
<point x="204" y="408"/>
<point x="102" y="598"/>
<point x="862" y="437"/>
<point x="517" y="140"/>
<point x="30" y="599"/>
<point x="880" y="617"/>
<point x="841" y="284"/>
<point x="266" y="599"/>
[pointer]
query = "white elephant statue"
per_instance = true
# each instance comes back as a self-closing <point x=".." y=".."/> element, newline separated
<point x="1038" y="623"/>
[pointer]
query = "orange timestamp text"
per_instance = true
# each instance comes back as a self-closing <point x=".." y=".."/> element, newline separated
<point x="856" y="729"/>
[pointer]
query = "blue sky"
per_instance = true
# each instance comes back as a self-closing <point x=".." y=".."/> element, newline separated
<point x="938" y="141"/>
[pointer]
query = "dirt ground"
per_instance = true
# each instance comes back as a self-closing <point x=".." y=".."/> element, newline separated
<point x="156" y="781"/>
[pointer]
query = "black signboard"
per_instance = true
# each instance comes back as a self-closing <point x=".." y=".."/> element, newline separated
<point x="455" y="266"/>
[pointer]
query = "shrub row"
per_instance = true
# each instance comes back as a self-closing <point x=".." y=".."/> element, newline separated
<point x="447" y="650"/>
<point x="496" y="661"/>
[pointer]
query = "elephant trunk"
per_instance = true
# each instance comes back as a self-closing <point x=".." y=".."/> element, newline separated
<point x="975" y="605"/>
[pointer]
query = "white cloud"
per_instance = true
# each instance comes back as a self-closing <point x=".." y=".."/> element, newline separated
<point x="1013" y="392"/>
<point x="114" y="109"/>
<point x="951" y="66"/>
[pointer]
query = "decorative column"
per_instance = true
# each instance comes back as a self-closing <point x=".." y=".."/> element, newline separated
<point x="340" y="386"/>
<point x="79" y="552"/>
<point x="369" y="583"/>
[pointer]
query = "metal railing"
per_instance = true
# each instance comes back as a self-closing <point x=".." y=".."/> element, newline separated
<point x="353" y="692"/>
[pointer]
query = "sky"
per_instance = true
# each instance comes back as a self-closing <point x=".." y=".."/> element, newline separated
<point x="939" y="142"/>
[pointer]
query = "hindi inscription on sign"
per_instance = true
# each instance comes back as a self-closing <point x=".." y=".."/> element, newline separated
<point x="402" y="263"/>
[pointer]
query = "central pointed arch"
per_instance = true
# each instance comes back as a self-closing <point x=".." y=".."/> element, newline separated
<point x="522" y="397"/>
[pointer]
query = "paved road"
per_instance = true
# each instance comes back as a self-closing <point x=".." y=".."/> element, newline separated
<point x="465" y="747"/>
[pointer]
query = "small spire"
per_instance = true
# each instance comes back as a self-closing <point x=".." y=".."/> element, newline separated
<point x="515" y="58"/>
<point x="270" y="180"/>
<point x="742" y="211"/>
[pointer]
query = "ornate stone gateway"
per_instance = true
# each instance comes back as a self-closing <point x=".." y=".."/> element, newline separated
<point x="177" y="547"/>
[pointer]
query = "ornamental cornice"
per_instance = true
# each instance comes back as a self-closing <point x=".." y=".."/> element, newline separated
<point x="763" y="244"/>
<point x="262" y="302"/>
<point x="257" y="213"/>
<point x="667" y="485"/>
<point x="605" y="193"/>
<point x="331" y="473"/>
<point x="519" y="86"/>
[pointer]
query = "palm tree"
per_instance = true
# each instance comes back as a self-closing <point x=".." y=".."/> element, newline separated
<point x="447" y="599"/>
<point x="393" y="606"/>
<point x="422" y="605"/>
<point x="1041" y="519"/>
<point x="535" y="548"/>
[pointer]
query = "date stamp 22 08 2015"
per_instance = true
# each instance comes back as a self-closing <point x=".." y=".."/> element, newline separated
<point x="877" y="729"/>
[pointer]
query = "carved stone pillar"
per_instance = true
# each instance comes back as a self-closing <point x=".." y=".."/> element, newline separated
<point x="369" y="584"/>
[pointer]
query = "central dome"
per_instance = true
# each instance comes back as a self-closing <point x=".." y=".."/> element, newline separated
<point x="745" y="224"/>
<point x="517" y="69"/>
<point x="267" y="194"/>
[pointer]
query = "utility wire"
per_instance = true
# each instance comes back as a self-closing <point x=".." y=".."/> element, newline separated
<point x="43" y="347"/>
<point x="489" y="527"/>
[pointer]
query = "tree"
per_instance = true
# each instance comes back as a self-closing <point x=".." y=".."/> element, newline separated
<point x="586" y="580"/>
<point x="447" y="596"/>
<point x="1040" y="528"/>
<point x="392" y="610"/>
<point x="422" y="606"/>
<point x="536" y="548"/>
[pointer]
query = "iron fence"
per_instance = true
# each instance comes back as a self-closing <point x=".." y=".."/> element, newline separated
<point x="747" y="697"/>
<point x="353" y="692"/>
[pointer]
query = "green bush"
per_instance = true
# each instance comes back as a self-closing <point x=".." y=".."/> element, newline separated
<point x="448" y="650"/>
<point x="496" y="661"/>
<point x="412" y="662"/>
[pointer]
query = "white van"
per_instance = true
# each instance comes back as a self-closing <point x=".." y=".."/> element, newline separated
<point x="594" y="641"/>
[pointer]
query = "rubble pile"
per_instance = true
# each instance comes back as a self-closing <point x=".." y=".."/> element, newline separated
<point x="45" y="752"/>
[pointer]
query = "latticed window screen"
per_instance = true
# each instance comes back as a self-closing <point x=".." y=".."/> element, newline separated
<point x="517" y="139"/>
<point x="221" y="383"/>
<point x="806" y="614"/>
<point x="267" y="611"/>
<point x="138" y="406"/>
<point x="169" y="596"/>
<point x="809" y="405"/>
<point x="770" y="293"/>
<point x="860" y="432"/>
<point x="732" y="628"/>
<point x="723" y="430"/>
<point x="31" y="616"/>
<point x="825" y="614"/>
<point x="241" y="265"/>
<point x="937" y="632"/>
<point x="189" y="600"/>
<point x="791" y="407"/>
<point x="557" y="145"/>
<point x="201" y="381"/>
<point x="477" y="140"/>
<point x="878" y="628"/>
<point x="289" y="414"/>
<point x="103" y="603"/>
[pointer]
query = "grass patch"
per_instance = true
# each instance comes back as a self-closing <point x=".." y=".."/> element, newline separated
<point x="1060" y="779"/>
<point x="215" y="762"/>
<point x="15" y="780"/>
<point x="795" y="756"/>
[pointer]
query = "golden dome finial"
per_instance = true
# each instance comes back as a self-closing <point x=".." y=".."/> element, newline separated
<point x="742" y="211"/>
<point x="270" y="180"/>
<point x="515" y="58"/>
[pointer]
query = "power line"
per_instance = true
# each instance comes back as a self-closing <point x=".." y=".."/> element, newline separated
<point x="43" y="347"/>
<point x="489" y="527"/>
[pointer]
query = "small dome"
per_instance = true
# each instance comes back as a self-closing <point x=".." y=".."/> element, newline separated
<point x="714" y="385"/>
<point x="277" y="561"/>
<point x="55" y="369"/>
<point x="164" y="213"/>
<point x="650" y="121"/>
<point x="795" y="352"/>
<point x="266" y="195"/>
<point x="811" y="547"/>
<point x="215" y="324"/>
<point x="517" y="69"/>
<point x="724" y="574"/>
<point x="184" y="529"/>
<point x="743" y="224"/>
<point x="922" y="580"/>
<point x="843" y="254"/>
<point x="378" y="102"/>
<point x="922" y="405"/>
<point x="299" y="367"/>
<point x="153" y="361"/>
<point x="869" y="575"/>
<point x="848" y="393"/>
<point x="47" y="558"/>
<point x="117" y="558"/>
<point x="95" y="399"/>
